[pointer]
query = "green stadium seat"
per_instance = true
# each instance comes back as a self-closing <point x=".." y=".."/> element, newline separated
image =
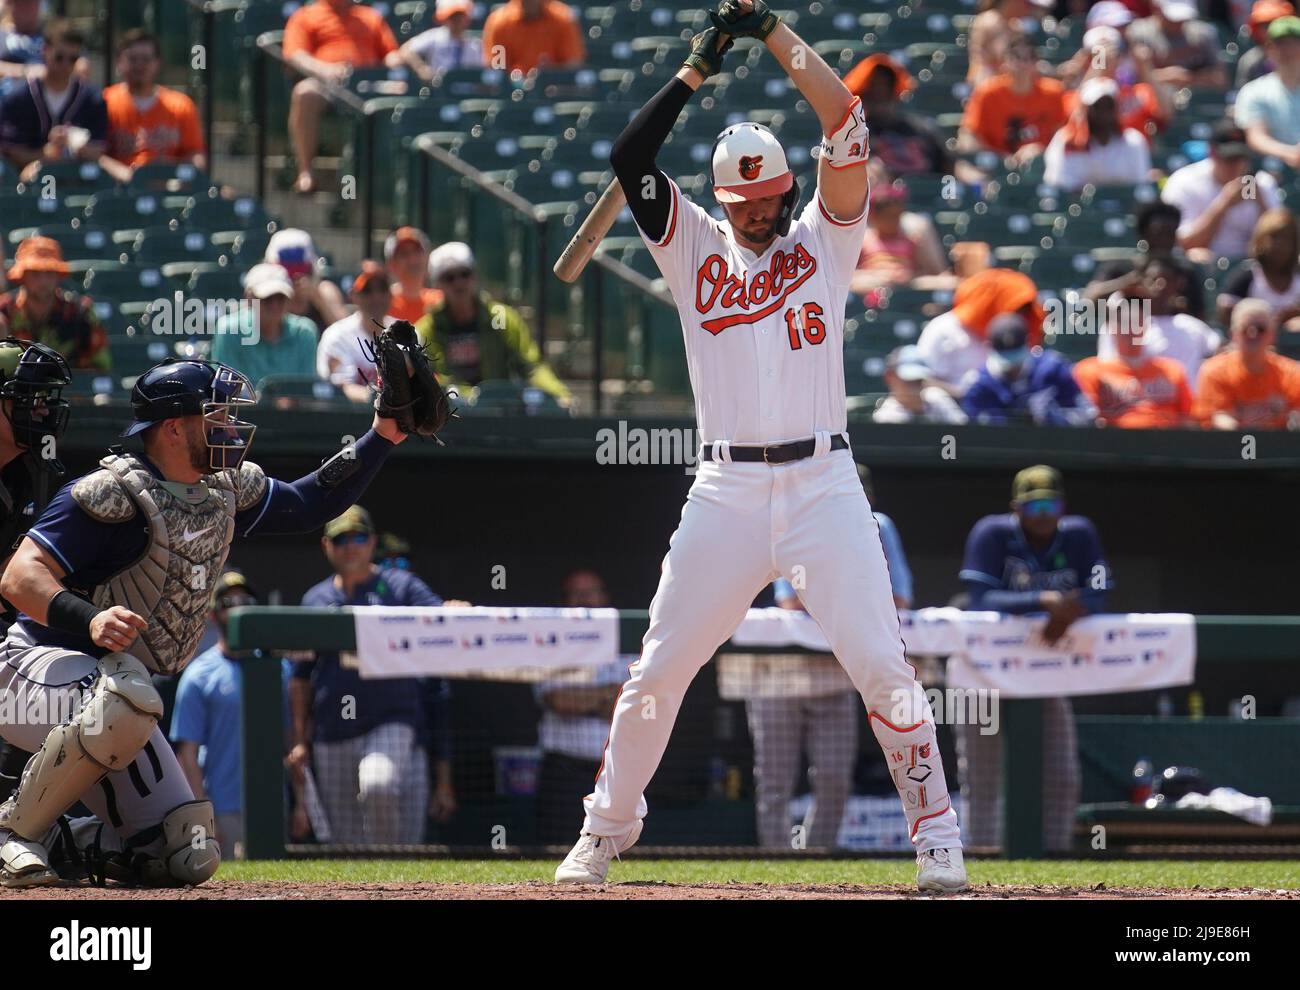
<point x="126" y="213"/>
<point x="22" y="212"/>
<point x="78" y="240"/>
<point x="73" y="175"/>
<point x="218" y="213"/>
<point x="157" y="245"/>
<point x="134" y="283"/>
<point x="167" y="177"/>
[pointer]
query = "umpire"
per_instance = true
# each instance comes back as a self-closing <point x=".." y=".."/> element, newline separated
<point x="32" y="379"/>
<point x="1033" y="560"/>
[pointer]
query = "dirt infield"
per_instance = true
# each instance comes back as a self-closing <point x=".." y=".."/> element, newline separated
<point x="267" y="890"/>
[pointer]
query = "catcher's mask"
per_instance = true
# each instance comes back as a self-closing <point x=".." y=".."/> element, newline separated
<point x="197" y="388"/>
<point x="747" y="163"/>
<point x="32" y="379"/>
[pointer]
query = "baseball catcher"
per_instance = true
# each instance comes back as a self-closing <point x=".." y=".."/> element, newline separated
<point x="111" y="585"/>
<point x="761" y="298"/>
<point x="35" y="414"/>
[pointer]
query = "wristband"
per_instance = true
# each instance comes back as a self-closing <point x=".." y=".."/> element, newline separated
<point x="71" y="613"/>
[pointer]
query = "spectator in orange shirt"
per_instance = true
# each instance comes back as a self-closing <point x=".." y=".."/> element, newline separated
<point x="148" y="122"/>
<point x="1135" y="390"/>
<point x="523" y="35"/>
<point x="1250" y="386"/>
<point x="1017" y="112"/>
<point x="406" y="252"/>
<point x="325" y="40"/>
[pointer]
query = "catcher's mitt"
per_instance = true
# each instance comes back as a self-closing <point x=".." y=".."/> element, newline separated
<point x="408" y="391"/>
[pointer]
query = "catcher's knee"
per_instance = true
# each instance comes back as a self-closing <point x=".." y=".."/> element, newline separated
<point x="102" y="737"/>
<point x="190" y="853"/>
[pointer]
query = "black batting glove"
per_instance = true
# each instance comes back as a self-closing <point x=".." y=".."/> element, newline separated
<point x="706" y="56"/>
<point x="731" y="18"/>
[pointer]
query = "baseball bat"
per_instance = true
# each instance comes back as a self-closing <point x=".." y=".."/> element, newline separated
<point x="573" y="259"/>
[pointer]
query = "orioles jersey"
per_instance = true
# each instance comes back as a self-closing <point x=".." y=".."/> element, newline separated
<point x="764" y="333"/>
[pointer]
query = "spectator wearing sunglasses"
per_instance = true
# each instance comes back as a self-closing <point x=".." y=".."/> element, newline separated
<point x="60" y="116"/>
<point x="472" y="338"/>
<point x="369" y="742"/>
<point x="342" y="356"/>
<point x="1034" y="560"/>
<point x="1250" y="386"/>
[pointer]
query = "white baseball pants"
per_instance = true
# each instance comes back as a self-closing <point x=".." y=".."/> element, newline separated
<point x="743" y="525"/>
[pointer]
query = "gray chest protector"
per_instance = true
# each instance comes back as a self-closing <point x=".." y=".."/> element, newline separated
<point x="188" y="543"/>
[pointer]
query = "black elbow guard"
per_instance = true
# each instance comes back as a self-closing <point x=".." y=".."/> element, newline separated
<point x="335" y="470"/>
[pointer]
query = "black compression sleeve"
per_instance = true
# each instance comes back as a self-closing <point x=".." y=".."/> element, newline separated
<point x="633" y="157"/>
<point x="70" y="613"/>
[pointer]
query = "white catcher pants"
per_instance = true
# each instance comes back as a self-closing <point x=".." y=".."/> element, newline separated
<point x="743" y="525"/>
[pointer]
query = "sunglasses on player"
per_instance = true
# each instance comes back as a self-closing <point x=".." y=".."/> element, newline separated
<point x="1042" y="507"/>
<point x="349" y="539"/>
<point x="457" y="275"/>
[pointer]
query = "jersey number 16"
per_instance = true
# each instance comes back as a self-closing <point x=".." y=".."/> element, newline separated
<point x="808" y="319"/>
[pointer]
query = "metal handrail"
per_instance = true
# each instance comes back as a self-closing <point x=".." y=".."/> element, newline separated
<point x="601" y="264"/>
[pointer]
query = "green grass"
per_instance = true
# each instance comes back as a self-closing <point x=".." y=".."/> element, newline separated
<point x="1279" y="874"/>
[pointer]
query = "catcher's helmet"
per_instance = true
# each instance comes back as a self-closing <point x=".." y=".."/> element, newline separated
<point x="748" y="162"/>
<point x="197" y="388"/>
<point x="32" y="379"/>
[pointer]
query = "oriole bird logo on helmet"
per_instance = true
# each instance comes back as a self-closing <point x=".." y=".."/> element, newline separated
<point x="750" y="167"/>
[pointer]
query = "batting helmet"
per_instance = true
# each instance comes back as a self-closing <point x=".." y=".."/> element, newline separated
<point x="197" y="388"/>
<point x="32" y="379"/>
<point x="749" y="163"/>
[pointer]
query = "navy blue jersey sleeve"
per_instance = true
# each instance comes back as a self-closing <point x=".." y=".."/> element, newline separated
<point x="78" y="542"/>
<point x="303" y="505"/>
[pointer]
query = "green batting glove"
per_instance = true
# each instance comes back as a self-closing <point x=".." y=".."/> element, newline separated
<point x="706" y="56"/>
<point x="758" y="23"/>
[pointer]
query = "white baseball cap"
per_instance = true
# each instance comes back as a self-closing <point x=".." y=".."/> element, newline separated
<point x="749" y="163"/>
<point x="1097" y="87"/>
<point x="448" y="257"/>
<point x="1112" y="13"/>
<point x="266" y="279"/>
<point x="1177" y="11"/>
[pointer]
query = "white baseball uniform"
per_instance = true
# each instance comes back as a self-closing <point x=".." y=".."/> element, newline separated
<point x="764" y="343"/>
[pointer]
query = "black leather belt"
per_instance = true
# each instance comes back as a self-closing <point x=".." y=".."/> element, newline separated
<point x="776" y="453"/>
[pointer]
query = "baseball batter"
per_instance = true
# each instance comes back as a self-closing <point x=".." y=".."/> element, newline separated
<point x="761" y="299"/>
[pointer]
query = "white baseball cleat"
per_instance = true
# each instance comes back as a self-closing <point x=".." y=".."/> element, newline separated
<point x="941" y="871"/>
<point x="588" y="861"/>
<point x="25" y="864"/>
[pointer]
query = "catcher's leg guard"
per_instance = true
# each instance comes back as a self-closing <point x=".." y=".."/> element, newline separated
<point x="105" y="735"/>
<point x="190" y="852"/>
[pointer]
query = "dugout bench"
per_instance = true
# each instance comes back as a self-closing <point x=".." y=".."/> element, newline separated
<point x="278" y="629"/>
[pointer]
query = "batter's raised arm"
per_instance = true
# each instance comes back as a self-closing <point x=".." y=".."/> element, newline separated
<point x="633" y="154"/>
<point x="841" y="177"/>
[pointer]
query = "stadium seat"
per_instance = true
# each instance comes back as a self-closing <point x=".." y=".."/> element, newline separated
<point x="77" y="240"/>
<point x="157" y="245"/>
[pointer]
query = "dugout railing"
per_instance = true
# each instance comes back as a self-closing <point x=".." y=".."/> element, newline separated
<point x="1221" y="640"/>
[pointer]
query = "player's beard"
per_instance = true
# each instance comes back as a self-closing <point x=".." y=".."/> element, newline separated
<point x="761" y="235"/>
<point x="200" y="455"/>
